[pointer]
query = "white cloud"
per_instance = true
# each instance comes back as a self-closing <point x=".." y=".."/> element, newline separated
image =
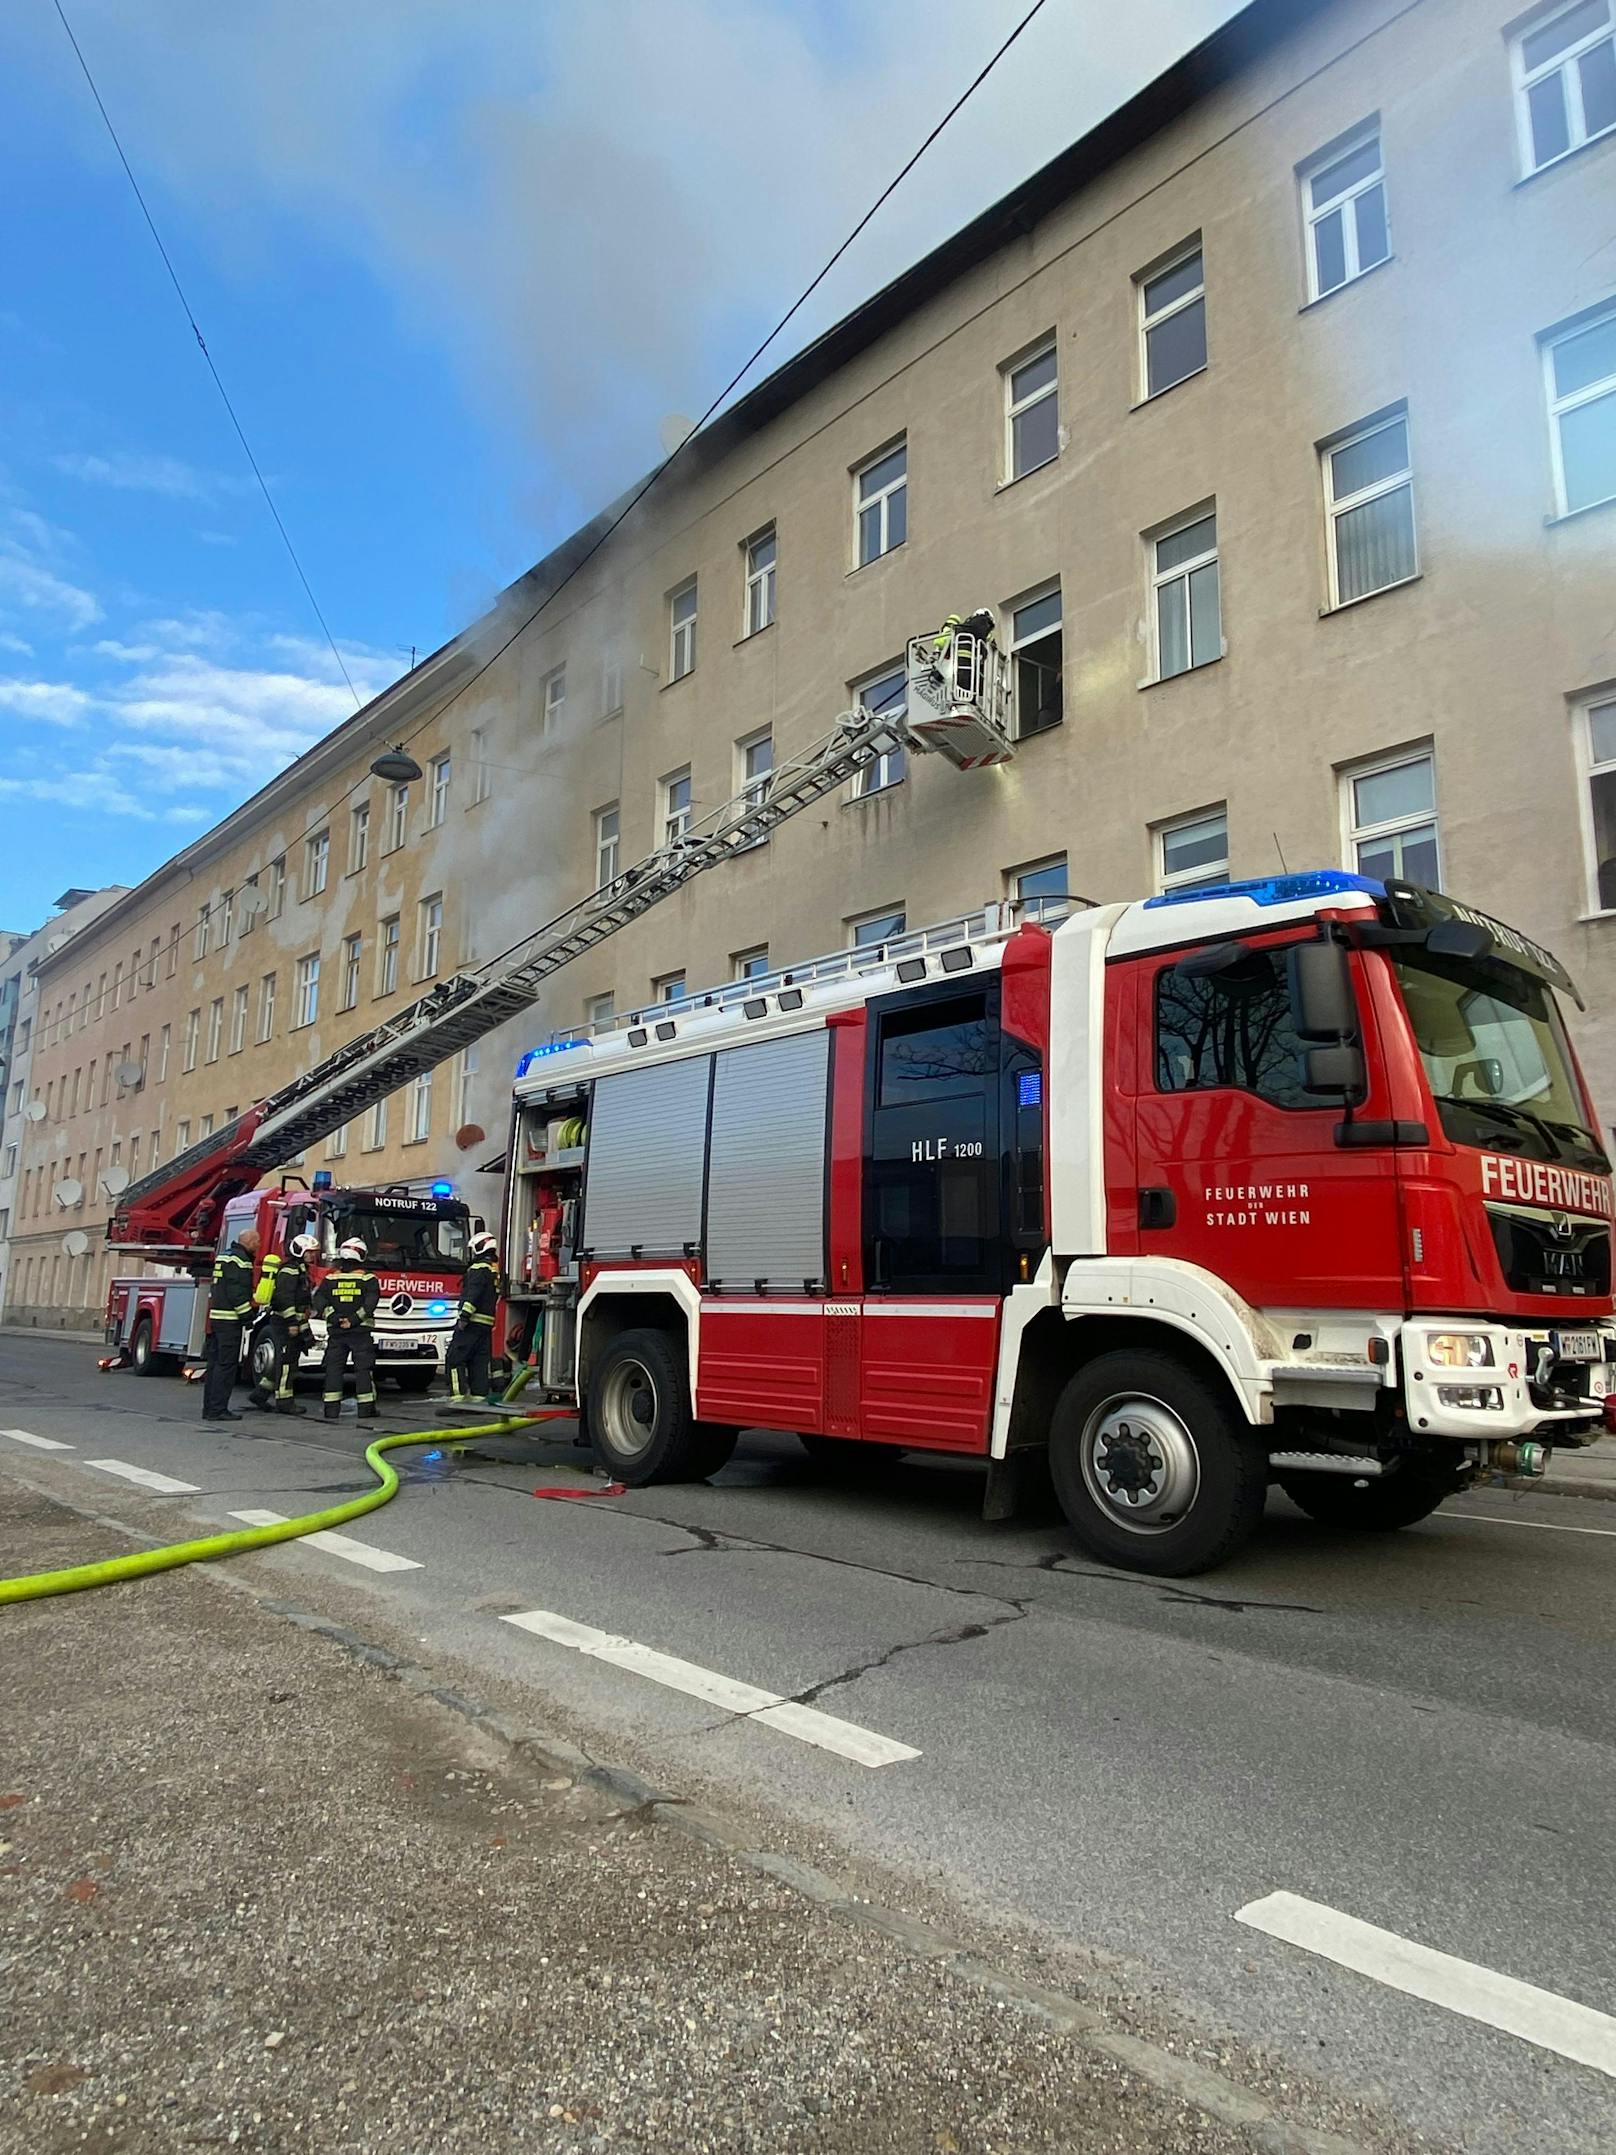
<point x="94" y="789"/>
<point x="130" y="472"/>
<point x="28" y="584"/>
<point x="17" y="644"/>
<point x="57" y="703"/>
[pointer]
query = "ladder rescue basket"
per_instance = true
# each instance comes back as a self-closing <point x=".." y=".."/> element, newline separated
<point x="959" y="698"/>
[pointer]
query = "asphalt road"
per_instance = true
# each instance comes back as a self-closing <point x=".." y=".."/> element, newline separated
<point x="1415" y="1732"/>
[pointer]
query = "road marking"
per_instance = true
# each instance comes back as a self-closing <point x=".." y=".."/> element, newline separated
<point x="863" y="1746"/>
<point x="1538" y="1526"/>
<point x="44" y="1444"/>
<point x="356" y="1552"/>
<point x="164" y="1484"/>
<point x="1498" y="2001"/>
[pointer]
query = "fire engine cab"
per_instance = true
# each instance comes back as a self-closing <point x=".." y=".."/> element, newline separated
<point x="1293" y="1180"/>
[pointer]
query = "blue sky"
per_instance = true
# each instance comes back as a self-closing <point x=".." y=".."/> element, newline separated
<point x="456" y="261"/>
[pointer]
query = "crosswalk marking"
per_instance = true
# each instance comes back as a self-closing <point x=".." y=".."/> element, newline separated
<point x="356" y="1552"/>
<point x="163" y="1485"/>
<point x="43" y="1444"/>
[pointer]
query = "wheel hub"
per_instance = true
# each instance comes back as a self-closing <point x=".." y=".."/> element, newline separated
<point x="1140" y="1464"/>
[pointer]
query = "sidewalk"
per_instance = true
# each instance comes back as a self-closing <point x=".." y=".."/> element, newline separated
<point x="254" y="1894"/>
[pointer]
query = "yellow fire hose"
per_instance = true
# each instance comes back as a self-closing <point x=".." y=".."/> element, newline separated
<point x="36" y="1585"/>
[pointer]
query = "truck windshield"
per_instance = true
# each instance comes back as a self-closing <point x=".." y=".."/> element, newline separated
<point x="1495" y="1057"/>
<point x="400" y="1241"/>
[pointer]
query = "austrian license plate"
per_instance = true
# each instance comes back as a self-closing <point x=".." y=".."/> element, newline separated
<point x="1577" y="1346"/>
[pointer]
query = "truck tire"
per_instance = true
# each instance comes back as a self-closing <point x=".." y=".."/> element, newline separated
<point x="1380" y="1506"/>
<point x="142" y="1350"/>
<point x="849" y="1455"/>
<point x="639" y="1415"/>
<point x="1154" y="1467"/>
<point x="264" y="1362"/>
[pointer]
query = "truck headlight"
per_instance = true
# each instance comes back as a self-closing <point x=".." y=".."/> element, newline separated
<point x="1460" y="1350"/>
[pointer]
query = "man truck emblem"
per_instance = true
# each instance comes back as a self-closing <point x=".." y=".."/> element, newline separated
<point x="1560" y="1227"/>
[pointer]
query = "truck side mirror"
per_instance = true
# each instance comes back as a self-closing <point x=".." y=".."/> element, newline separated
<point x="1338" y="1073"/>
<point x="1322" y="1003"/>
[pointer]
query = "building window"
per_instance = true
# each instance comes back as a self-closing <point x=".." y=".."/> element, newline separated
<point x="682" y="631"/>
<point x="215" y="1028"/>
<point x="1193" y="851"/>
<point x="1036" y="660"/>
<point x="760" y="566"/>
<point x="227" y="928"/>
<point x="193" y="1033"/>
<point x="199" y="948"/>
<point x="358" y="837"/>
<point x="481" y="781"/>
<point x="375" y="1136"/>
<point x="1565" y="81"/>
<point x="608" y="828"/>
<point x="238" y="1020"/>
<point x="750" y="964"/>
<point x="387" y="956"/>
<point x="1040" y="890"/>
<point x="464" y="1081"/>
<point x="420" y="1107"/>
<point x="1390" y="808"/>
<point x="1172" y="320"/>
<point x="600" y="1009"/>
<point x="881" y="503"/>
<point x="1580" y="365"/>
<point x="1344" y="203"/>
<point x="352" y="948"/>
<point x="163" y="1042"/>
<point x="668" y="987"/>
<point x="439" y="799"/>
<point x="611" y="686"/>
<point x="182" y="1135"/>
<point x="754" y="763"/>
<point x="307" y="1004"/>
<point x="1369" y="498"/>
<point x="431" y="940"/>
<point x="1185" y="610"/>
<point x="883" y="692"/>
<point x="316" y="863"/>
<point x="555" y="700"/>
<point x="277" y="889"/>
<point x="675" y="811"/>
<point x="398" y="817"/>
<point x="867" y="931"/>
<point x="266" y="1008"/>
<point x="1031" y="412"/>
<point x="1596" y="723"/>
<point x="336" y="1145"/>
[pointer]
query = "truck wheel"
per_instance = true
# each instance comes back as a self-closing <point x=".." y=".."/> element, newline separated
<point x="1379" y="1506"/>
<point x="849" y="1455"/>
<point x="639" y="1417"/>
<point x="1154" y="1468"/>
<point x="264" y="1363"/>
<point x="142" y="1354"/>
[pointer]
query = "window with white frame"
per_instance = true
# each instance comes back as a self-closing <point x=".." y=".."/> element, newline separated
<point x="1031" y="411"/>
<point x="238" y="1019"/>
<point x="1596" y="729"/>
<point x="215" y="1029"/>
<point x="1193" y="851"/>
<point x="555" y="700"/>
<point x="1344" y="204"/>
<point x="1186" y="610"/>
<point x="675" y="806"/>
<point x="1369" y="503"/>
<point x="316" y="863"/>
<point x="761" y="553"/>
<point x="375" y="1135"/>
<point x="668" y="987"/>
<point x="199" y="944"/>
<point x="682" y="631"/>
<point x="1580" y="371"/>
<point x="465" y="1077"/>
<point x="1172" y="320"/>
<point x="420" y="1107"/>
<point x="1037" y="661"/>
<point x="867" y="931"/>
<point x="439" y="772"/>
<point x="387" y="955"/>
<point x="1040" y="888"/>
<point x="358" y="836"/>
<point x="431" y="936"/>
<point x="163" y="1041"/>
<point x="277" y="889"/>
<point x="600" y="1009"/>
<point x="1389" y="807"/>
<point x="266" y="1007"/>
<point x="481" y="778"/>
<point x="881" y="504"/>
<point x="754" y="761"/>
<point x="398" y="817"/>
<point x="1565" y="80"/>
<point x="227" y="928"/>
<point x="336" y="1145"/>
<point x="608" y="841"/>
<point x="307" y="1005"/>
<point x="352" y="951"/>
<point x="182" y="1134"/>
<point x="749" y="964"/>
<point x="193" y="1035"/>
<point x="611" y="685"/>
<point x="885" y="691"/>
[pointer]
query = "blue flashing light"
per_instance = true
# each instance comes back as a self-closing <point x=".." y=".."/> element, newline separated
<point x="443" y="1189"/>
<point x="439" y="1309"/>
<point x="322" y="1178"/>
<point x="1277" y="889"/>
<point x="1030" y="1088"/>
<point x="549" y="1047"/>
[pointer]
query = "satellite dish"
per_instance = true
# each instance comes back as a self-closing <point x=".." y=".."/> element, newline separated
<point x="75" y="1242"/>
<point x="35" y="1111"/>
<point x="54" y="942"/>
<point x="251" y="901"/>
<point x="69" y="1192"/>
<point x="469" y="1134"/>
<point x="130" y="1073"/>
<point x="675" y="431"/>
<point x="116" y="1179"/>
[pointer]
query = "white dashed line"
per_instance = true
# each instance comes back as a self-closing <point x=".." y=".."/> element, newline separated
<point x="356" y="1552"/>
<point x="43" y="1444"/>
<point x="863" y="1746"/>
<point x="164" y="1485"/>
<point x="1498" y="2001"/>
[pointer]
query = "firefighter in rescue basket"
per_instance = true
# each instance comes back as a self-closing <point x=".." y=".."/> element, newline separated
<point x="346" y="1298"/>
<point x="285" y="1293"/>
<point x="468" y="1363"/>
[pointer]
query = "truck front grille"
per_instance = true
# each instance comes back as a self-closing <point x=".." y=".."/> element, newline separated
<point x="1552" y="1255"/>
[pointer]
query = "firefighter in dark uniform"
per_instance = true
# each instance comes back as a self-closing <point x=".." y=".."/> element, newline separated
<point x="467" y="1365"/>
<point x="230" y="1301"/>
<point x="346" y="1298"/>
<point x="285" y="1292"/>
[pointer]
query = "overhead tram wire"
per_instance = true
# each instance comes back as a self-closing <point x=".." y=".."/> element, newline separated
<point x="640" y="492"/>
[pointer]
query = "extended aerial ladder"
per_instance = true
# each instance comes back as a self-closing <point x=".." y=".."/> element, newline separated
<point x="957" y="705"/>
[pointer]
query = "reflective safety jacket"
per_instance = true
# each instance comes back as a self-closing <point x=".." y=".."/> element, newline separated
<point x="347" y="1299"/>
<point x="284" y="1288"/>
<point x="230" y="1298"/>
<point x="479" y="1291"/>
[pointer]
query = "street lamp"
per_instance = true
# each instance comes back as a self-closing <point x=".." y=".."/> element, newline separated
<point x="397" y="765"/>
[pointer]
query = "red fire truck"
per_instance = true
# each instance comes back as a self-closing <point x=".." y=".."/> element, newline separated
<point x="1290" y="1180"/>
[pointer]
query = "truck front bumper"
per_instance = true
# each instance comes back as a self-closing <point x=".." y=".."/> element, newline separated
<point x="1483" y="1381"/>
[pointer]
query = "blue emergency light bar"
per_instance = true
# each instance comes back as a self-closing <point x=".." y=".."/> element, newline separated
<point x="443" y="1189"/>
<point x="322" y="1178"/>
<point x="1277" y="889"/>
<point x="549" y="1047"/>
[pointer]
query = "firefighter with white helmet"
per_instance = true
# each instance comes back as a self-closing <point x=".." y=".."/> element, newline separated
<point x="468" y="1363"/>
<point x="346" y="1298"/>
<point x="285" y="1293"/>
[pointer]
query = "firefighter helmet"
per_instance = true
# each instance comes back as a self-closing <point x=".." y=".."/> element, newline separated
<point x="304" y="1245"/>
<point x="353" y="1249"/>
<point x="483" y="1245"/>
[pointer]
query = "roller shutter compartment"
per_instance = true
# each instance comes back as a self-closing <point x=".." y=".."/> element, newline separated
<point x="766" y="1173"/>
<point x="647" y="1144"/>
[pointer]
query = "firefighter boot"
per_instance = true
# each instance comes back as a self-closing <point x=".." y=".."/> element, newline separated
<point x="289" y="1406"/>
<point x="368" y="1410"/>
<point x="332" y="1408"/>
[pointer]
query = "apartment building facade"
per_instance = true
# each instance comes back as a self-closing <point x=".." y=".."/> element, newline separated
<point x="1276" y="420"/>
